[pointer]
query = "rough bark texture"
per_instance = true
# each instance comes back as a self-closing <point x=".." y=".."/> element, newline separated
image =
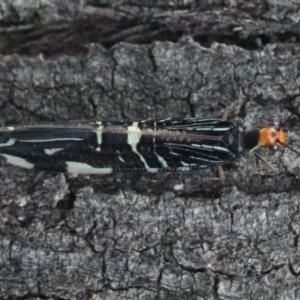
<point x="169" y="236"/>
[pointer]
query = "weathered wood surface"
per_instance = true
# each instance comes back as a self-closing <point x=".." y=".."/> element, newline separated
<point x="170" y="236"/>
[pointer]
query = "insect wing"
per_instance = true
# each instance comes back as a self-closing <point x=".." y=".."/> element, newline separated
<point x="106" y="147"/>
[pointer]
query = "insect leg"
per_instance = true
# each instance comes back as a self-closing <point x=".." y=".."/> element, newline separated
<point x="225" y="114"/>
<point x="221" y="175"/>
<point x="220" y="169"/>
<point x="268" y="166"/>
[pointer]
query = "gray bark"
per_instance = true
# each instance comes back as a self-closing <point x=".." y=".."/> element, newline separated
<point x="141" y="236"/>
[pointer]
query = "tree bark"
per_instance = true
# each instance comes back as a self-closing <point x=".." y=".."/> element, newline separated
<point x="146" y="236"/>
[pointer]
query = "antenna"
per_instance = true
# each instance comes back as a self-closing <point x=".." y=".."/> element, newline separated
<point x="289" y="147"/>
<point x="288" y="118"/>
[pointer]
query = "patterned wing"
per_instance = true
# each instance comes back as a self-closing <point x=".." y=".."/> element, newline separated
<point x="107" y="147"/>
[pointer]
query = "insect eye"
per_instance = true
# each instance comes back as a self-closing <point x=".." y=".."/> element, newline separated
<point x="273" y="147"/>
<point x="273" y="134"/>
<point x="275" y="123"/>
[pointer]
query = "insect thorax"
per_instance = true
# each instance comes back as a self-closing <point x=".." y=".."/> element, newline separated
<point x="250" y="139"/>
<point x="235" y="140"/>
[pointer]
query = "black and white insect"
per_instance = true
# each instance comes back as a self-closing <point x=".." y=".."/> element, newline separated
<point x="168" y="145"/>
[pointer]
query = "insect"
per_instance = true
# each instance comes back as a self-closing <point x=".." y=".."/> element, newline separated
<point x="167" y="145"/>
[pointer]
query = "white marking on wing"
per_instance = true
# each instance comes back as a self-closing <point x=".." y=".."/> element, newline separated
<point x="149" y="169"/>
<point x="121" y="159"/>
<point x="133" y="138"/>
<point x="74" y="167"/>
<point x="174" y="153"/>
<point x="134" y="134"/>
<point x="10" y="142"/>
<point x="164" y="120"/>
<point x="212" y="148"/>
<point x="204" y="159"/>
<point x="212" y="128"/>
<point x="183" y="169"/>
<point x="197" y="147"/>
<point x="223" y="149"/>
<point x="53" y="150"/>
<point x="10" y="128"/>
<point x="221" y="128"/>
<point x="162" y="161"/>
<point x="18" y="161"/>
<point x="200" y="146"/>
<point x="208" y="147"/>
<point x="184" y="164"/>
<point x="99" y="136"/>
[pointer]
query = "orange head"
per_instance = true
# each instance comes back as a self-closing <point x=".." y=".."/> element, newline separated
<point x="271" y="136"/>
